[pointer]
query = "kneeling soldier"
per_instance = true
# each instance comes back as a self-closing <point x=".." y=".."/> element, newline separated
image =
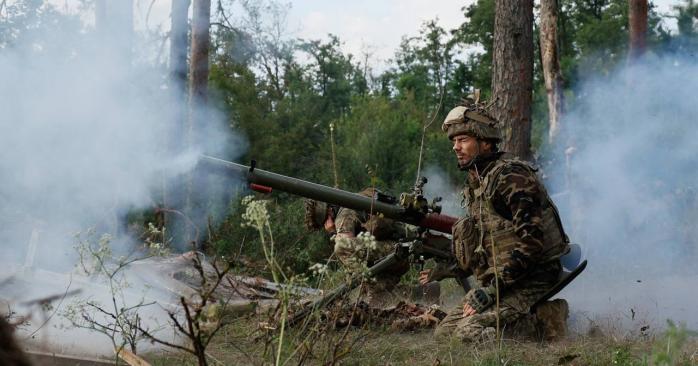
<point x="360" y="242"/>
<point x="511" y="238"/>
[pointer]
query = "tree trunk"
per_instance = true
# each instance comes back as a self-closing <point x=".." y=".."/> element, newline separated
<point x="198" y="95"/>
<point x="512" y="74"/>
<point x="200" y="44"/>
<point x="179" y="46"/>
<point x="637" y="14"/>
<point x="550" y="60"/>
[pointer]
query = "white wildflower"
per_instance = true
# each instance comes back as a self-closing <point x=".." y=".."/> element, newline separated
<point x="156" y="247"/>
<point x="318" y="269"/>
<point x="256" y="214"/>
<point x="367" y="241"/>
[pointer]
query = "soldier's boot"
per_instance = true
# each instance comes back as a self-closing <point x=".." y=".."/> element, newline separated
<point x="552" y="319"/>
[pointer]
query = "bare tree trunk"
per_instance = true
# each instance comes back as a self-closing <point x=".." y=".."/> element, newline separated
<point x="550" y="60"/>
<point x="512" y="74"/>
<point x="200" y="44"/>
<point x="179" y="47"/>
<point x="198" y="89"/>
<point x="638" y="28"/>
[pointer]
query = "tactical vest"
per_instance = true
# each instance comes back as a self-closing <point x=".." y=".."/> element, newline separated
<point x="484" y="232"/>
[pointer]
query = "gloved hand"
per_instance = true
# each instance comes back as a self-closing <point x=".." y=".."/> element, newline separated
<point x="480" y="299"/>
<point x="438" y="273"/>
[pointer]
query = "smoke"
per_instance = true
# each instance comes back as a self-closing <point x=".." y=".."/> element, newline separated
<point x="439" y="185"/>
<point x="629" y="194"/>
<point x="86" y="134"/>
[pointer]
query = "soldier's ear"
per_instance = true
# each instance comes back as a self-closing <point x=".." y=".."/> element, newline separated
<point x="486" y="145"/>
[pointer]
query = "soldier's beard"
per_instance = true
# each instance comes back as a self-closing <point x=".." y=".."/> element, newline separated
<point x="479" y="160"/>
<point x="469" y="164"/>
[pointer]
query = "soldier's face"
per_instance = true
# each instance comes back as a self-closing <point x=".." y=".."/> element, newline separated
<point x="468" y="147"/>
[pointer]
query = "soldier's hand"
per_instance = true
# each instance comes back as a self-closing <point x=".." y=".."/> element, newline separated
<point x="468" y="310"/>
<point x="479" y="299"/>
<point x="329" y="224"/>
<point x="424" y="276"/>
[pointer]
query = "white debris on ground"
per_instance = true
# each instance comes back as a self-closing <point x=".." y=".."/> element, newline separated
<point x="42" y="296"/>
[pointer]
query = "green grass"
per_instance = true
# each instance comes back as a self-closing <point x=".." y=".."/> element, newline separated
<point x="236" y="345"/>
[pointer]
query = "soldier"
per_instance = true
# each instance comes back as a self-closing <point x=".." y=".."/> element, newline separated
<point x="511" y="238"/>
<point x="360" y="242"/>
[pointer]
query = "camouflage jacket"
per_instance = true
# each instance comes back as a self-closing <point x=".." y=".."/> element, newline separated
<point x="512" y="224"/>
<point x="349" y="221"/>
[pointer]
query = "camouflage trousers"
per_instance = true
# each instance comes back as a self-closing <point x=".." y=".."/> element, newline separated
<point x="357" y="256"/>
<point x="514" y="312"/>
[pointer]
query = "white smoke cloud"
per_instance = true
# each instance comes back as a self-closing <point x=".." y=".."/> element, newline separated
<point x="439" y="185"/>
<point x="631" y="198"/>
<point x="85" y="138"/>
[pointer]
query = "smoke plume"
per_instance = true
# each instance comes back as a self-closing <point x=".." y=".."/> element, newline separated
<point x="629" y="194"/>
<point x="86" y="135"/>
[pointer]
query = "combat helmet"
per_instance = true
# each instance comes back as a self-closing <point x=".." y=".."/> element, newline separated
<point x="316" y="211"/>
<point x="472" y="118"/>
<point x="316" y="214"/>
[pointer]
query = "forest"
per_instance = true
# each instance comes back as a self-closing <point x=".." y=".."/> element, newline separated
<point x="104" y="119"/>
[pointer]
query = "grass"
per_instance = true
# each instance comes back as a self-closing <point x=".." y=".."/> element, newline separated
<point x="254" y="340"/>
<point x="236" y="345"/>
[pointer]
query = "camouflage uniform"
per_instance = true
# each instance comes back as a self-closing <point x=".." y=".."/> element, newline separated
<point x="359" y="253"/>
<point x="510" y="240"/>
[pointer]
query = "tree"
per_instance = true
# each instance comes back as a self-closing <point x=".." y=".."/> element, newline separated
<point x="550" y="62"/>
<point x="265" y="23"/>
<point x="198" y="88"/>
<point x="179" y="37"/>
<point x="200" y="45"/>
<point x="178" y="46"/>
<point x="332" y="74"/>
<point x="686" y="41"/>
<point x="686" y="17"/>
<point x="512" y="74"/>
<point x="425" y="65"/>
<point x="637" y="16"/>
<point x="478" y="30"/>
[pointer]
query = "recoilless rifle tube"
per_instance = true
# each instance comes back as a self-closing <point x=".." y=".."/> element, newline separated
<point x="265" y="181"/>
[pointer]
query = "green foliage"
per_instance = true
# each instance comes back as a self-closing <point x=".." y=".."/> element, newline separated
<point x="478" y="30"/>
<point x="295" y="248"/>
<point x="622" y="356"/>
<point x="281" y="94"/>
<point x="284" y="106"/>
<point x="668" y="349"/>
<point x="389" y="148"/>
<point x="686" y="39"/>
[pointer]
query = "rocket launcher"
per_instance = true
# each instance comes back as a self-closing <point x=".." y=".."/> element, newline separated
<point x="411" y="208"/>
